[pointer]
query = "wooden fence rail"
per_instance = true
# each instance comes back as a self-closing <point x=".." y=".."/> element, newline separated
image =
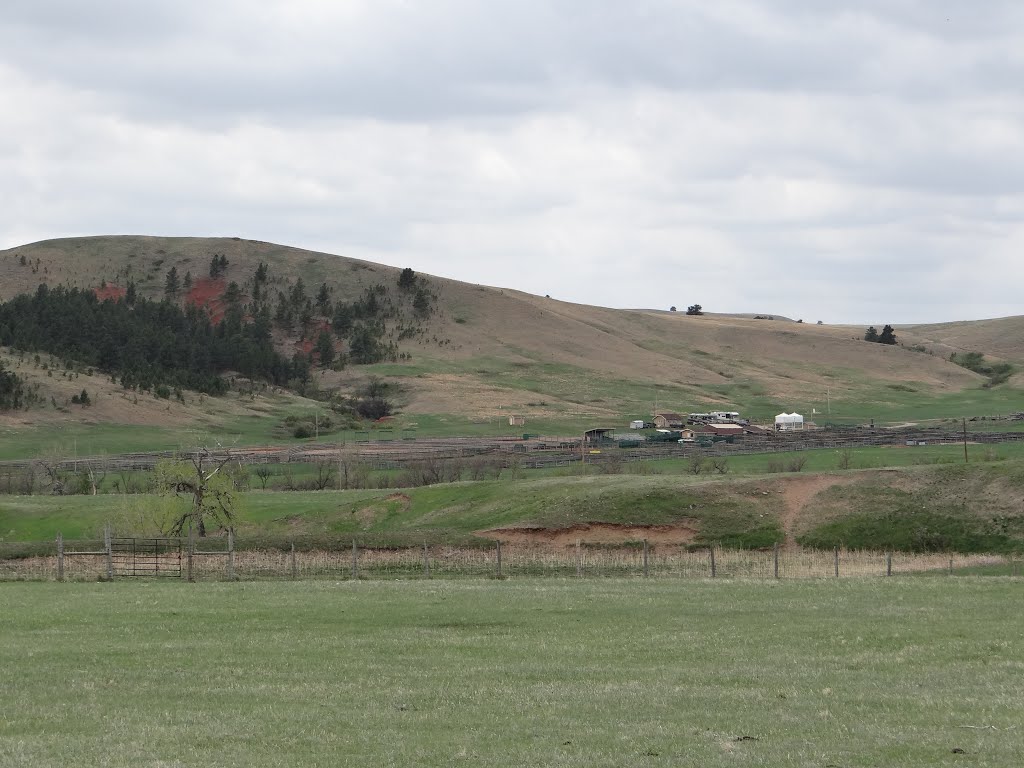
<point x="221" y="559"/>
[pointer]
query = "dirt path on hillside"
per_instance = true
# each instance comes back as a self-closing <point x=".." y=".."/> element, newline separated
<point x="797" y="494"/>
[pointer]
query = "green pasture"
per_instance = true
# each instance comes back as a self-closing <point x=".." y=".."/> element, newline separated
<point x="934" y="507"/>
<point x="902" y="672"/>
<point x="868" y="457"/>
<point x="451" y="512"/>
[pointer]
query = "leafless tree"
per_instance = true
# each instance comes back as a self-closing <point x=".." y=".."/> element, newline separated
<point x="54" y="475"/>
<point x="324" y="473"/>
<point x="263" y="472"/>
<point x="845" y="458"/>
<point x="200" y="476"/>
<point x="611" y="465"/>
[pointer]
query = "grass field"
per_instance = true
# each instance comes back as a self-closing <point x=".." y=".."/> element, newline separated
<point x="937" y="507"/>
<point x="896" y="673"/>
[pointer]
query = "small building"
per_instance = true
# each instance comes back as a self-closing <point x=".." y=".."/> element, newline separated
<point x="687" y="436"/>
<point x="724" y="430"/>
<point x="785" y="422"/>
<point x="669" y="421"/>
<point x="598" y="435"/>
<point x="637" y="424"/>
<point x="517" y="421"/>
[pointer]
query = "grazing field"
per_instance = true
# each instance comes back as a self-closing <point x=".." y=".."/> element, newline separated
<point x="880" y="672"/>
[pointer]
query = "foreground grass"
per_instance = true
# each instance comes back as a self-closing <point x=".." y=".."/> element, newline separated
<point x="553" y="673"/>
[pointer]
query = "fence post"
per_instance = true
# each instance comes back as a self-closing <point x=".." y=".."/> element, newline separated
<point x="231" y="554"/>
<point x="188" y="555"/>
<point x="775" y="559"/>
<point x="355" y="560"/>
<point x="951" y="566"/>
<point x="426" y="561"/>
<point x="579" y="559"/>
<point x="646" y="564"/>
<point x="836" y="552"/>
<point x="295" y="569"/>
<point x="60" y="557"/>
<point x="498" y="546"/>
<point x="888" y="563"/>
<point x="712" y="551"/>
<point x="108" y="547"/>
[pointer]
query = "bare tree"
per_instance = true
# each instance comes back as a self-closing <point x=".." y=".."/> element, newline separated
<point x="696" y="465"/>
<point x="263" y="472"/>
<point x="199" y="476"/>
<point x="324" y="474"/>
<point x="720" y="464"/>
<point x="845" y="458"/>
<point x="55" y="476"/>
<point x="611" y="465"/>
<point x="96" y="475"/>
<point x="288" y="473"/>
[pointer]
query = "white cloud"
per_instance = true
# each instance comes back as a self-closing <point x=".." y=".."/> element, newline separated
<point x="610" y="153"/>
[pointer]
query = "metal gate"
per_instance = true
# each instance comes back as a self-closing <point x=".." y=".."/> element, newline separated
<point x="146" y="557"/>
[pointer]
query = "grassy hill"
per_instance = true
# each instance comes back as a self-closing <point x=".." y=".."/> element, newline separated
<point x="946" y="507"/>
<point x="484" y="353"/>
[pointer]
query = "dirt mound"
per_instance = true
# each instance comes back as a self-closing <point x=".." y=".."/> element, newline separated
<point x="593" y="533"/>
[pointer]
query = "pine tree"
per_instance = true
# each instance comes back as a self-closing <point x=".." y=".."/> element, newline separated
<point x="407" y="280"/>
<point x="171" y="285"/>
<point x="887" y="336"/>
<point x="325" y="349"/>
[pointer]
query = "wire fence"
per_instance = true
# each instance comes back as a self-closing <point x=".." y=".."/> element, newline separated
<point x="212" y="560"/>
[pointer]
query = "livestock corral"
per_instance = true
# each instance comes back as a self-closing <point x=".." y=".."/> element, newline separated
<point x="535" y="452"/>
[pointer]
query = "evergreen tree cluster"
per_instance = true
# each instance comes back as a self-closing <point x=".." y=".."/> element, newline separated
<point x="14" y="393"/>
<point x="148" y="344"/>
<point x="887" y="336"/>
<point x="218" y="263"/>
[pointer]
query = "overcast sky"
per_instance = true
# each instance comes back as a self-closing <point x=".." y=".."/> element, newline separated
<point x="848" y="162"/>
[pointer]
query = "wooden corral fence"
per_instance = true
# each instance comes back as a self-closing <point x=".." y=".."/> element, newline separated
<point x="532" y="453"/>
<point x="189" y="559"/>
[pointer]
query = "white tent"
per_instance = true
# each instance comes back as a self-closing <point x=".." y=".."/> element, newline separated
<point x="789" y="421"/>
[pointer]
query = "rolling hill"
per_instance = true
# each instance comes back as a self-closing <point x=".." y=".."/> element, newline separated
<point x="482" y="353"/>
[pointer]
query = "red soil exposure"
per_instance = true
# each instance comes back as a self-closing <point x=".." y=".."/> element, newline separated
<point x="593" y="533"/>
<point x="109" y="291"/>
<point x="206" y="292"/>
<point x="305" y="346"/>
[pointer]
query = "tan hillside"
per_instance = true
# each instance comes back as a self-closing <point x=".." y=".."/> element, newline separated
<point x="1001" y="338"/>
<point x="486" y="352"/>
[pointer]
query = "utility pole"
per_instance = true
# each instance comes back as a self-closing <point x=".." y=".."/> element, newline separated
<point x="965" y="441"/>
